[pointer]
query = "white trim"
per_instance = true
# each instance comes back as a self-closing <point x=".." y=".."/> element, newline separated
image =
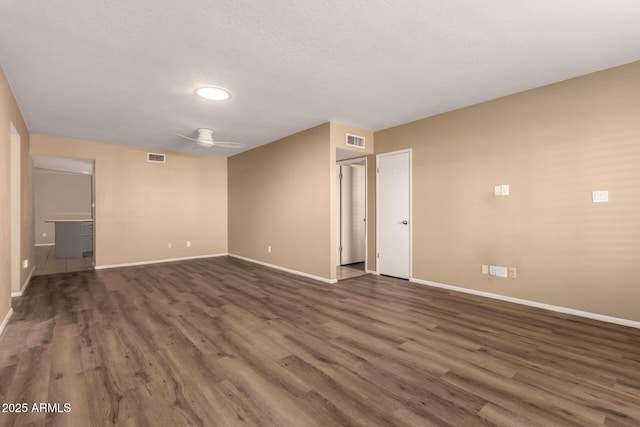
<point x="26" y="283"/>
<point x="157" y="261"/>
<point x="45" y="244"/>
<point x="393" y="153"/>
<point x="288" y="270"/>
<point x="556" y="308"/>
<point x="6" y="320"/>
<point x="371" y="272"/>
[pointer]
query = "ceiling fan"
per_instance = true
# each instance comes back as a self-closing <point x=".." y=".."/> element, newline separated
<point x="205" y="139"/>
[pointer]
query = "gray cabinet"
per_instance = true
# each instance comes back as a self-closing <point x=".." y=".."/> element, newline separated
<point x="74" y="239"/>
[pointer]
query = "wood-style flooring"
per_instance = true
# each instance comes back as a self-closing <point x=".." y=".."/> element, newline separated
<point x="220" y="341"/>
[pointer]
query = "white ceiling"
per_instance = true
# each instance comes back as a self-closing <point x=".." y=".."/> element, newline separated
<point x="124" y="71"/>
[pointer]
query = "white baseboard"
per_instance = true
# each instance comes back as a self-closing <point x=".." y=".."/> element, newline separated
<point x="371" y="272"/>
<point x="157" y="261"/>
<point x="45" y="244"/>
<point x="288" y="270"/>
<point x="26" y="284"/>
<point x="556" y="308"/>
<point x="6" y="320"/>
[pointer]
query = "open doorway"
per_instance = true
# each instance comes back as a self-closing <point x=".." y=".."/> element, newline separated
<point x="64" y="214"/>
<point x="351" y="236"/>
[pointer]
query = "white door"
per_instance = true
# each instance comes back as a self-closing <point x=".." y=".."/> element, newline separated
<point x="394" y="209"/>
<point x="353" y="207"/>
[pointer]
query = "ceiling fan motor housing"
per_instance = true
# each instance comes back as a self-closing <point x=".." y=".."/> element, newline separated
<point x="205" y="137"/>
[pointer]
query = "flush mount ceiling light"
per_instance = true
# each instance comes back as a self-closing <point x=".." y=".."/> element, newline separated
<point x="213" y="93"/>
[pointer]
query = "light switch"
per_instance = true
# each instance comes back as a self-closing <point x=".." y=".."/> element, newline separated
<point x="505" y="189"/>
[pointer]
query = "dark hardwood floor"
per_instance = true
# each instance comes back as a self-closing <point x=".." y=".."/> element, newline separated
<point x="224" y="342"/>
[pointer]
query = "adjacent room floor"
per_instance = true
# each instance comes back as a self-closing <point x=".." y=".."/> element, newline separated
<point x="221" y="341"/>
<point x="350" y="271"/>
<point x="47" y="263"/>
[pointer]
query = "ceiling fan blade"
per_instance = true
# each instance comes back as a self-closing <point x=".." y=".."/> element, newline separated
<point x="228" y="144"/>
<point x="186" y="137"/>
<point x="205" y="139"/>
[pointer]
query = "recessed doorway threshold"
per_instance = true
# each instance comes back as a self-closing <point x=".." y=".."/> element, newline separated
<point x="350" y="271"/>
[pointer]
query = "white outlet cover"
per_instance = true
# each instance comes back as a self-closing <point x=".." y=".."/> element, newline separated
<point x="497" y="190"/>
<point x="498" y="271"/>
<point x="600" y="196"/>
<point x="502" y="272"/>
<point x="505" y="189"/>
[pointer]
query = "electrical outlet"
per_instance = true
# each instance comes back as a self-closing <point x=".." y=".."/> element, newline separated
<point x="269" y="249"/>
<point x="25" y="263"/>
<point x="513" y="272"/>
<point x="188" y="243"/>
<point x="169" y="245"/>
<point x="600" y="196"/>
<point x="501" y="272"/>
<point x="501" y="190"/>
<point x="485" y="269"/>
<point x="496" y="270"/>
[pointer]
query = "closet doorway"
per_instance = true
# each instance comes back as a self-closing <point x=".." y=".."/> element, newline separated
<point x="351" y="215"/>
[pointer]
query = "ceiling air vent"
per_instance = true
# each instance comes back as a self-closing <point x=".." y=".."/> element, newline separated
<point x="156" y="158"/>
<point x="355" y="141"/>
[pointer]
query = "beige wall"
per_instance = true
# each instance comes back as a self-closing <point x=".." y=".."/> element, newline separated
<point x="10" y="113"/>
<point x="141" y="206"/>
<point x="59" y="195"/>
<point x="339" y="133"/>
<point x="280" y="196"/>
<point x="553" y="146"/>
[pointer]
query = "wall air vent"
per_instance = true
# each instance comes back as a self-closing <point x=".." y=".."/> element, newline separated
<point x="156" y="158"/>
<point x="355" y="141"/>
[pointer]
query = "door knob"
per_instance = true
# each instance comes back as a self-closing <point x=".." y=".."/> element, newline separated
<point x="405" y="222"/>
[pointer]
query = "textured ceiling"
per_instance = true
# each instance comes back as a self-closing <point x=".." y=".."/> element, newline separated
<point x="124" y="72"/>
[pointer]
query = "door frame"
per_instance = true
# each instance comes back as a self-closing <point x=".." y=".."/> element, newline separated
<point x="378" y="156"/>
<point x="366" y="205"/>
<point x="15" y="211"/>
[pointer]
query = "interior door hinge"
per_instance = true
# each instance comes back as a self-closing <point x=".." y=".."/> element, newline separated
<point x="377" y="170"/>
<point x="378" y="254"/>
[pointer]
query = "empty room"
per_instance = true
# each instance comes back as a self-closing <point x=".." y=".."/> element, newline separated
<point x="234" y="213"/>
